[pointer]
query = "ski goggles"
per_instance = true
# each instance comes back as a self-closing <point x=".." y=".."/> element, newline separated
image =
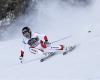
<point x="25" y="31"/>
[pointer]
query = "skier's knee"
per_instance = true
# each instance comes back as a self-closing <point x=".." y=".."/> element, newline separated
<point x="62" y="47"/>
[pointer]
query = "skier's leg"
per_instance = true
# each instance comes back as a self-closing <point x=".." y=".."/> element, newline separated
<point x="43" y="45"/>
<point x="58" y="47"/>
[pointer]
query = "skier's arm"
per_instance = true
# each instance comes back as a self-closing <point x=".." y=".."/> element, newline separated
<point x="44" y="41"/>
<point x="21" y="53"/>
<point x="22" y="50"/>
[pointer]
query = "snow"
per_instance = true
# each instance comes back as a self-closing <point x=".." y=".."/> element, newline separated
<point x="57" y="22"/>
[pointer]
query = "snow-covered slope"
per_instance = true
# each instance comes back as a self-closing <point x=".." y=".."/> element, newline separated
<point x="58" y="21"/>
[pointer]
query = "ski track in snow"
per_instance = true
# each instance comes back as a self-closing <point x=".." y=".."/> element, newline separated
<point x="57" y="22"/>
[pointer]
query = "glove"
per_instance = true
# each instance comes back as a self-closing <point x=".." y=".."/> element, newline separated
<point x="36" y="38"/>
<point x="46" y="42"/>
<point x="20" y="58"/>
<point x="33" y="41"/>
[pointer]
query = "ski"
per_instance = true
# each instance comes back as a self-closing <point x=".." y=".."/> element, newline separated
<point x="69" y="49"/>
<point x="47" y="57"/>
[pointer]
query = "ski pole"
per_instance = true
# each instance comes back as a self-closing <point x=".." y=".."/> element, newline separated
<point x="61" y="39"/>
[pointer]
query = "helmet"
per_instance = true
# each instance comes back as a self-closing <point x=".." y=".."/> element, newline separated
<point x="26" y="31"/>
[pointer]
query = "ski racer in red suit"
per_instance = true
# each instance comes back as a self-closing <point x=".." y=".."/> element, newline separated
<point x="33" y="40"/>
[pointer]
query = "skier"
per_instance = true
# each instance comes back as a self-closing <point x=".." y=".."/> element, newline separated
<point x="33" y="40"/>
<point x="37" y="41"/>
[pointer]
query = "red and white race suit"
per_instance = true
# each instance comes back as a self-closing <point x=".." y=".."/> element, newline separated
<point x="39" y="44"/>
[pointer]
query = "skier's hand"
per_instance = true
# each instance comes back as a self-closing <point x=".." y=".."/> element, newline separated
<point x="46" y="42"/>
<point x="20" y="58"/>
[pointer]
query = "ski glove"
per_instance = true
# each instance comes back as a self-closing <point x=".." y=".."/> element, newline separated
<point x="46" y="42"/>
<point x="33" y="41"/>
<point x="20" y="58"/>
